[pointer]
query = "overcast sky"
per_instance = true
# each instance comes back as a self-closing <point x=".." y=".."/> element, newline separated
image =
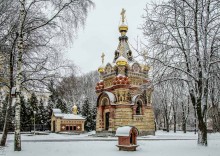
<point x="101" y="32"/>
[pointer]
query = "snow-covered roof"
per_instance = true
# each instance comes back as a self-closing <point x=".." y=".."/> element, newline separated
<point x="123" y="131"/>
<point x="120" y="75"/>
<point x="58" y="113"/>
<point x="72" y="116"/>
<point x="122" y="58"/>
<point x="111" y="96"/>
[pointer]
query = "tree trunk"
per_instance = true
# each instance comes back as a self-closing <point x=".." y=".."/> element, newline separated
<point x="183" y="118"/>
<point x="202" y="92"/>
<point x="17" y="138"/>
<point x="184" y="126"/>
<point x="202" y="128"/>
<point x="167" y="124"/>
<point x="9" y="103"/>
<point x="6" y="123"/>
<point x="195" y="125"/>
<point x="202" y="133"/>
<point x="174" y="122"/>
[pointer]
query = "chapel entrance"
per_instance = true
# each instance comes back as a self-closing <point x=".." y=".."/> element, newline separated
<point x="107" y="120"/>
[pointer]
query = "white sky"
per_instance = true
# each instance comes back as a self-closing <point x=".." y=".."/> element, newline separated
<point x="101" y="32"/>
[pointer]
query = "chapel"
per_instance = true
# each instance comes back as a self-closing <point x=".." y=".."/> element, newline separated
<point x="124" y="91"/>
<point x="61" y="122"/>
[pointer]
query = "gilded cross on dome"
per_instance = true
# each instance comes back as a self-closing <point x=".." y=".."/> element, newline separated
<point x="103" y="55"/>
<point x="123" y="15"/>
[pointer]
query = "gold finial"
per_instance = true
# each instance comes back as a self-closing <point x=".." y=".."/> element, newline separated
<point x="123" y="28"/>
<point x="74" y="109"/>
<point x="123" y="15"/>
<point x="101" y="69"/>
<point x="103" y="55"/>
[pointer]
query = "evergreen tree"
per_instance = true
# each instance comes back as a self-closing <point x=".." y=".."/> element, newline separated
<point x="78" y="109"/>
<point x="86" y="112"/>
<point x="42" y="112"/>
<point x="34" y="107"/>
<point x="29" y="112"/>
<point x="34" y="102"/>
<point x="25" y="115"/>
<point x="48" y="112"/>
<point x="62" y="106"/>
<point x="93" y="123"/>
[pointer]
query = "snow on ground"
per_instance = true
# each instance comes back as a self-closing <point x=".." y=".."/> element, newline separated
<point x="151" y="146"/>
<point x="87" y="136"/>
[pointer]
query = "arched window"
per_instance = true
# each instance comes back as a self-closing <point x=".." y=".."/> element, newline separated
<point x="105" y="101"/>
<point x="139" y="108"/>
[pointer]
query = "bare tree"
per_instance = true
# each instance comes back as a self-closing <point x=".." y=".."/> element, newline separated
<point x="184" y="36"/>
<point x="36" y="28"/>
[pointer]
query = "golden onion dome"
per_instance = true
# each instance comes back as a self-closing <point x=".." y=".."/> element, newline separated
<point x="101" y="69"/>
<point x="121" y="61"/>
<point x="123" y="27"/>
<point x="74" y="109"/>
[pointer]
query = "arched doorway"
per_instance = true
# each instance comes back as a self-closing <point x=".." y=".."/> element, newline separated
<point x="107" y="120"/>
<point x="131" y="139"/>
<point x="133" y="136"/>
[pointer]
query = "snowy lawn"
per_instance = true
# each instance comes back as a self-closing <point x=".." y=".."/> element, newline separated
<point x="151" y="146"/>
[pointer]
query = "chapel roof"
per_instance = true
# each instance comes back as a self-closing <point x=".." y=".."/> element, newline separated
<point x="57" y="113"/>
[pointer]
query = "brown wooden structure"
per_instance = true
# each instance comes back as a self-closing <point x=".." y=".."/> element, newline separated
<point x="127" y="138"/>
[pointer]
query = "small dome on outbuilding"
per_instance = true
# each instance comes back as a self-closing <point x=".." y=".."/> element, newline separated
<point x="74" y="109"/>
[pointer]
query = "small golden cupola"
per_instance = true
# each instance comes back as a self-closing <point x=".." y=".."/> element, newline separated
<point x="123" y="28"/>
<point x="121" y="61"/>
<point x="74" y="109"/>
<point x="101" y="68"/>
